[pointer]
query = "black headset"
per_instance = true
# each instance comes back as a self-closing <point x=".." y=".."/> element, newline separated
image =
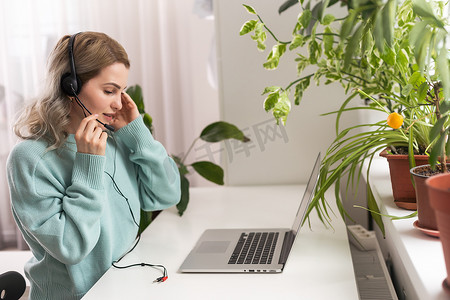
<point x="70" y="82"/>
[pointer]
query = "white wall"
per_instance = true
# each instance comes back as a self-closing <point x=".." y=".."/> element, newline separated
<point x="288" y="156"/>
<point x="176" y="42"/>
<point x="196" y="35"/>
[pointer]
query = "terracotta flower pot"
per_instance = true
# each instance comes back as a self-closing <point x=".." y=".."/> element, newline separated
<point x="439" y="192"/>
<point x="425" y="213"/>
<point x="402" y="188"/>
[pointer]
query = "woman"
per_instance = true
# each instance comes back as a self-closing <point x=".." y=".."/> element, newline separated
<point x="73" y="182"/>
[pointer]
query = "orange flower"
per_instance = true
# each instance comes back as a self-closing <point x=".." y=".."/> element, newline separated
<point x="395" y="120"/>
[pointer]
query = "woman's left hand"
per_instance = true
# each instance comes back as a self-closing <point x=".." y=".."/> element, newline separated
<point x="128" y="113"/>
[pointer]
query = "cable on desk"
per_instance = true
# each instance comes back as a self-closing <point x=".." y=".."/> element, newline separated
<point x="114" y="263"/>
<point x="159" y="279"/>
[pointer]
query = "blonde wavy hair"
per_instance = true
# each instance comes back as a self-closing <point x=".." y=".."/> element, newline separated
<point x="47" y="117"/>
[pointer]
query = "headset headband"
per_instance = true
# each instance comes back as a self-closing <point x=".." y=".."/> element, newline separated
<point x="70" y="82"/>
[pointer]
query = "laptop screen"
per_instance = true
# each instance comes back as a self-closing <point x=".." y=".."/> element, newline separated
<point x="307" y="196"/>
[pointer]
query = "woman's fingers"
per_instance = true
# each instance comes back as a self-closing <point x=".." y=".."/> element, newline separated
<point x="90" y="138"/>
<point x="126" y="100"/>
<point x="129" y="108"/>
<point x="127" y="113"/>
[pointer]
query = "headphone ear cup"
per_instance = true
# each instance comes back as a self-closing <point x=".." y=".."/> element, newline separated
<point x="70" y="83"/>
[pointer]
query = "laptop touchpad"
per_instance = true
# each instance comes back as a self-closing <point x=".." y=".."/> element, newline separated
<point x="213" y="247"/>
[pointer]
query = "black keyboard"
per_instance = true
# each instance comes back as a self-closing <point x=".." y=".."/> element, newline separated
<point x="254" y="248"/>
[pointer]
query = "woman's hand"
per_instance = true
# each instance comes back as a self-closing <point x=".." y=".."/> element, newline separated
<point x="127" y="114"/>
<point x="90" y="137"/>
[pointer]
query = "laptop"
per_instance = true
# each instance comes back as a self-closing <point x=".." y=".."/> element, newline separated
<point x="249" y="250"/>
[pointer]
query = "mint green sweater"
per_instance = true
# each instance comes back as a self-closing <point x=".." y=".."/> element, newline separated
<point x="69" y="213"/>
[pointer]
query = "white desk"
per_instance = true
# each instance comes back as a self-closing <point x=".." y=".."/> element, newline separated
<point x="418" y="259"/>
<point x="14" y="261"/>
<point x="320" y="265"/>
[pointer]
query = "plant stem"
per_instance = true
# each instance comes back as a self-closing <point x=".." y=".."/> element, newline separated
<point x="298" y="80"/>
<point x="271" y="33"/>
<point x="351" y="75"/>
<point x="322" y="33"/>
<point x="436" y="100"/>
<point x="423" y="117"/>
<point x="373" y="99"/>
<point x="189" y="150"/>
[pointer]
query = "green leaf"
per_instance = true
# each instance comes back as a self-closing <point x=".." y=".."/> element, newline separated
<point x="389" y="56"/>
<point x="209" y="171"/>
<point x="438" y="126"/>
<point x="353" y="46"/>
<point x="282" y="108"/>
<point x="271" y="89"/>
<point x="261" y="46"/>
<point x="303" y="62"/>
<point x="443" y="68"/>
<point x="447" y="147"/>
<point x="148" y="121"/>
<point x="328" y="41"/>
<point x="298" y="95"/>
<point x="260" y="36"/>
<point x="327" y="19"/>
<point x="297" y="41"/>
<point x="437" y="150"/>
<point x="416" y="32"/>
<point x="422" y="50"/>
<point x="422" y="92"/>
<point x="314" y="51"/>
<point x="305" y="18"/>
<point x="411" y="159"/>
<point x="407" y="89"/>
<point x="250" y="9"/>
<point x="220" y="131"/>
<point x="367" y="42"/>
<point x="348" y="24"/>
<point x="424" y="9"/>
<point x="378" y="33"/>
<point x="388" y="15"/>
<point x="403" y="61"/>
<point x="184" y="200"/>
<point x="182" y="169"/>
<point x="420" y="38"/>
<point x="270" y="101"/>
<point x="300" y="88"/>
<point x="146" y="219"/>
<point x="274" y="56"/>
<point x="392" y="217"/>
<point x="248" y="26"/>
<point x="374" y="210"/>
<point x="286" y="5"/>
<point x="444" y="106"/>
<point x="416" y="79"/>
<point x="324" y="5"/>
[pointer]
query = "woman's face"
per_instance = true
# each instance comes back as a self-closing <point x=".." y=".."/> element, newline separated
<point x="101" y="95"/>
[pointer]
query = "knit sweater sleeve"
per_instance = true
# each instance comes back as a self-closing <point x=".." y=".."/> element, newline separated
<point x="157" y="174"/>
<point x="58" y="205"/>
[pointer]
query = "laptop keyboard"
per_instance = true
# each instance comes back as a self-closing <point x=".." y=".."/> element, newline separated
<point x="254" y="248"/>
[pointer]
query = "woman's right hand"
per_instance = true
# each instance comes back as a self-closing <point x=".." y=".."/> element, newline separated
<point x="90" y="137"/>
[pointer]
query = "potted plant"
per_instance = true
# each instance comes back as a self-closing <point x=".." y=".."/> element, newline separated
<point x="213" y="133"/>
<point x="437" y="184"/>
<point x="376" y="52"/>
<point x="426" y="216"/>
<point x="439" y="192"/>
<point x="438" y="97"/>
